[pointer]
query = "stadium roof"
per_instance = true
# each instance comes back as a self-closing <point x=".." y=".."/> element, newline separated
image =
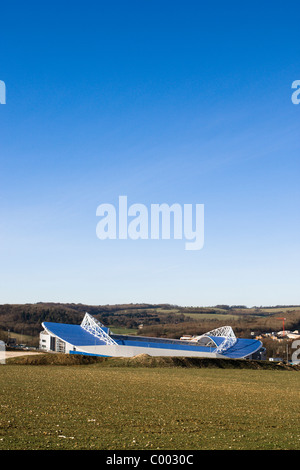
<point x="93" y="333"/>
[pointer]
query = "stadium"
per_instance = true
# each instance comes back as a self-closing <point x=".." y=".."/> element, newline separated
<point x="93" y="338"/>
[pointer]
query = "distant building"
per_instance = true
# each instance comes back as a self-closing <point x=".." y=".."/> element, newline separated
<point x="293" y="335"/>
<point x="11" y="342"/>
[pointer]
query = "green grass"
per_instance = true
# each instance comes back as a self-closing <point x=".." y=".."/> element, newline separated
<point x="96" y="407"/>
<point x="213" y="316"/>
<point x="123" y="331"/>
<point x="20" y="338"/>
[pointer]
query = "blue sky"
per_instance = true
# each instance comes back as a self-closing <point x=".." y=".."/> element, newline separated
<point x="184" y="102"/>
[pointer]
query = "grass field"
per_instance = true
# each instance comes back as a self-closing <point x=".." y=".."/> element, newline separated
<point x="173" y="408"/>
<point x="212" y="316"/>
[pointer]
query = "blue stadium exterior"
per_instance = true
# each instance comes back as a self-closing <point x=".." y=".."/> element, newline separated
<point x="92" y="338"/>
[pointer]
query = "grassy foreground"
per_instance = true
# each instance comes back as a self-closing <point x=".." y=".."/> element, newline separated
<point x="95" y="406"/>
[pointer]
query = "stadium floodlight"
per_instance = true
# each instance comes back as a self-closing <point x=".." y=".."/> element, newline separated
<point x="95" y="328"/>
<point x="227" y="333"/>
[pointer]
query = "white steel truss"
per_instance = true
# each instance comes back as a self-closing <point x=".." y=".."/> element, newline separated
<point x="227" y="333"/>
<point x="95" y="328"/>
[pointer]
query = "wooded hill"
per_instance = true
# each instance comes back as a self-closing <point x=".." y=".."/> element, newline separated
<point x="149" y="320"/>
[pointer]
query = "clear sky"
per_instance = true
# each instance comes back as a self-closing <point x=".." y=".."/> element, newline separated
<point x="165" y="102"/>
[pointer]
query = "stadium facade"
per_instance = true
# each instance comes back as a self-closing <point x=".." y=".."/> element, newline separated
<point x="93" y="338"/>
